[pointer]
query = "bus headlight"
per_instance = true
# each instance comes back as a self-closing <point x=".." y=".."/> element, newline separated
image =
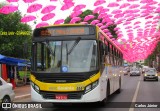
<point x="94" y="84"/>
<point x="156" y="75"/>
<point x="145" y="74"/>
<point x="88" y="88"/>
<point x="91" y="86"/>
<point x="35" y="87"/>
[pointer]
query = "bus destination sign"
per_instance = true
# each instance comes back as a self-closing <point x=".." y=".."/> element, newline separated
<point x="60" y="31"/>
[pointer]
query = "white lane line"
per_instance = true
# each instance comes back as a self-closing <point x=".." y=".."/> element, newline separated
<point x="17" y="97"/>
<point x="135" y="96"/>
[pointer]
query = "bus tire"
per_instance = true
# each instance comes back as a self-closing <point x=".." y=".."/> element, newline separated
<point x="104" y="101"/>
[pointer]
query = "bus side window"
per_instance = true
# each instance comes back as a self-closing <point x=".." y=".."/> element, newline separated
<point x="116" y="57"/>
<point x="122" y="59"/>
<point x="121" y="62"/>
<point x="102" y="51"/>
<point x="111" y="54"/>
<point x="106" y="48"/>
<point x="109" y="57"/>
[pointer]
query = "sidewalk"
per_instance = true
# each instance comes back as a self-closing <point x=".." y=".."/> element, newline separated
<point x="22" y="92"/>
<point x="158" y="73"/>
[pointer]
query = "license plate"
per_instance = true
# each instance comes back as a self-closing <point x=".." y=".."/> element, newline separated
<point x="61" y="97"/>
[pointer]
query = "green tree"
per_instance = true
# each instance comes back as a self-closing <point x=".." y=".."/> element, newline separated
<point x="90" y="12"/>
<point x="13" y="35"/>
<point x="152" y="57"/>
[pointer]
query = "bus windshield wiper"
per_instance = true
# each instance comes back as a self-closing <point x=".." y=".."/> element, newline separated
<point x="74" y="45"/>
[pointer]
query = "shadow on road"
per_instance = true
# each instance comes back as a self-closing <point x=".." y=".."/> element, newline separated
<point x="88" y="106"/>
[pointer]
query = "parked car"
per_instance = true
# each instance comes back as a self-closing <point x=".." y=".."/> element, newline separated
<point x="135" y="72"/>
<point x="6" y="93"/>
<point x="151" y="74"/>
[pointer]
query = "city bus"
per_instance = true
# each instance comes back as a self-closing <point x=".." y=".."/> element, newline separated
<point x="74" y="63"/>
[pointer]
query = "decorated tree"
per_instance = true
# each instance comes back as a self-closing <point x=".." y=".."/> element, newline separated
<point x="152" y="57"/>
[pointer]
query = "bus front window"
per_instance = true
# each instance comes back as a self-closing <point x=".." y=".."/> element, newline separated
<point x="67" y="56"/>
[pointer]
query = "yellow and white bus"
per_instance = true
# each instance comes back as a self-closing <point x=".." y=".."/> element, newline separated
<point x="74" y="64"/>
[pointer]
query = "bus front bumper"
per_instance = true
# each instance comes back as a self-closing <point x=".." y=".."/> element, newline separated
<point x="92" y="96"/>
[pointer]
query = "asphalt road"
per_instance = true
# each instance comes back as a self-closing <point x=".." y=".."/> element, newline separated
<point x="134" y="89"/>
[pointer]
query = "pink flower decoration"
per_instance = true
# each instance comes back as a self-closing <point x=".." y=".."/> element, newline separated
<point x="34" y="7"/>
<point x="124" y="5"/>
<point x="99" y="2"/>
<point x="113" y="4"/>
<point x="88" y="17"/>
<point x="42" y="24"/>
<point x="48" y="16"/>
<point x="8" y="9"/>
<point x="28" y="18"/>
<point x="79" y="7"/>
<point x="60" y="21"/>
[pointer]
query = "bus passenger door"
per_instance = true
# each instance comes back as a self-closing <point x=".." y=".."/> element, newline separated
<point x="115" y="74"/>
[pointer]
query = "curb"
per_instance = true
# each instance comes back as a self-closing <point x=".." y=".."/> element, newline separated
<point x="22" y="96"/>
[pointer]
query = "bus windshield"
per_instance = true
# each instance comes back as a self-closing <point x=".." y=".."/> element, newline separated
<point x="67" y="56"/>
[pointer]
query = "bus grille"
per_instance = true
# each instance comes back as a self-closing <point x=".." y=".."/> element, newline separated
<point x="63" y="79"/>
<point x="71" y="95"/>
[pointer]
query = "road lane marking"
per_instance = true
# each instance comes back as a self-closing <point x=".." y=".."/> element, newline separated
<point x="17" y="97"/>
<point x="135" y="95"/>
